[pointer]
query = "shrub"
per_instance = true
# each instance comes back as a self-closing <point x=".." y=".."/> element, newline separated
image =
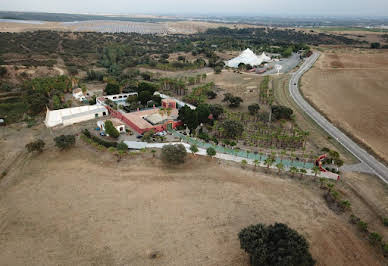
<point x="36" y="145"/>
<point x="204" y="136"/>
<point x="174" y="154"/>
<point x="385" y="221"/>
<point x="363" y="226"/>
<point x="375" y="238"/>
<point x="64" y="141"/>
<point x="97" y="140"/>
<point x="253" y="108"/>
<point x="122" y="146"/>
<point x="111" y="130"/>
<point x="275" y="245"/>
<point x="193" y="148"/>
<point x="211" y="95"/>
<point x="211" y="151"/>
<point x="385" y="249"/>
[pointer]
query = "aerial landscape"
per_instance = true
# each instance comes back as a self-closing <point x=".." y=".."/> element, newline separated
<point x="193" y="133"/>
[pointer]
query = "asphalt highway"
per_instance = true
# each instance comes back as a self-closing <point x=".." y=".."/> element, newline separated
<point x="368" y="160"/>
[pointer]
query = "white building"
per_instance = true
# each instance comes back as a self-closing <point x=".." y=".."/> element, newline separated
<point x="69" y="116"/>
<point x="79" y="95"/>
<point x="248" y="57"/>
<point x="117" y="123"/>
<point x="117" y="98"/>
<point x="179" y="103"/>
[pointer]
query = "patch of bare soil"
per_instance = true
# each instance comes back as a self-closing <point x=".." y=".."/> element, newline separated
<point x="81" y="207"/>
<point x="351" y="88"/>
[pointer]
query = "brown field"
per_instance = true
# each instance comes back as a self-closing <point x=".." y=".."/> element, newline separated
<point x="351" y="88"/>
<point x="82" y="207"/>
<point x="244" y="86"/>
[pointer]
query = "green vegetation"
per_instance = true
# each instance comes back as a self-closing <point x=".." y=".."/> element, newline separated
<point x="194" y="148"/>
<point x="275" y="245"/>
<point x="36" y="145"/>
<point x="99" y="141"/>
<point x="111" y="130"/>
<point x="211" y="152"/>
<point x="173" y="154"/>
<point x="64" y="141"/>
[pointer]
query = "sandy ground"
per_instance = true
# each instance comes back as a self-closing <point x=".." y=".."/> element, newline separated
<point x="81" y="207"/>
<point x="351" y="88"/>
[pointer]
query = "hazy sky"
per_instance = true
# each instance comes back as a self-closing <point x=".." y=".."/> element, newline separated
<point x="178" y="7"/>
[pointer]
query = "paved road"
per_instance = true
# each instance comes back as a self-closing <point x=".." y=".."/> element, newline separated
<point x="375" y="166"/>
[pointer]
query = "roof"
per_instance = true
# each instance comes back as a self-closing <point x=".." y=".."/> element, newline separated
<point x="76" y="91"/>
<point x="56" y="117"/>
<point x="117" y="122"/>
<point x="139" y="118"/>
<point x="178" y="102"/>
<point x="134" y="145"/>
<point x="249" y="58"/>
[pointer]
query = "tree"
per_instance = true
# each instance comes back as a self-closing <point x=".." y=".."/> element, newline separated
<point x="36" y="145"/>
<point x="211" y="152"/>
<point x="112" y="88"/>
<point x="256" y="163"/>
<point x="64" y="141"/>
<point x="144" y="97"/>
<point x="216" y="110"/>
<point x="244" y="163"/>
<point x="188" y="117"/>
<point x="302" y="171"/>
<point x="280" y="167"/>
<point x="232" y="129"/>
<point x="174" y="154"/>
<point x="235" y="101"/>
<point x="194" y="148"/>
<point x="211" y="95"/>
<point x="269" y="161"/>
<point x="316" y="170"/>
<point x="218" y="69"/>
<point x="281" y="112"/>
<point x="375" y="45"/>
<point x="275" y="245"/>
<point x="293" y="170"/>
<point x="253" y="108"/>
<point x="203" y="112"/>
<point x="3" y="71"/>
<point x="111" y="130"/>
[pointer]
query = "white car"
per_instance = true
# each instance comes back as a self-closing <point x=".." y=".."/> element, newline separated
<point x="161" y="134"/>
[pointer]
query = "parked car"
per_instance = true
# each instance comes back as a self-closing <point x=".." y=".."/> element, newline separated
<point x="102" y="134"/>
<point x="161" y="134"/>
<point x="139" y="137"/>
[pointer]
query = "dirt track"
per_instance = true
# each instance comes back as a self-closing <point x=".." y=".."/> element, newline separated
<point x="82" y="207"/>
<point x="350" y="87"/>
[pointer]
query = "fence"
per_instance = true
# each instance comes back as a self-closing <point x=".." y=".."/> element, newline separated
<point x="241" y="153"/>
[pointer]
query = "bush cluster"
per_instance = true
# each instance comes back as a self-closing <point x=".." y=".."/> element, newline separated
<point x="98" y="140"/>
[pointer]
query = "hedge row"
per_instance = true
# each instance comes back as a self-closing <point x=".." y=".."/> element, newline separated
<point x="96" y="139"/>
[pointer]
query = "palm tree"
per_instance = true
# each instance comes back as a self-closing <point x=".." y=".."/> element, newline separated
<point x="280" y="167"/>
<point x="256" y="162"/>
<point x="293" y="170"/>
<point x="302" y="171"/>
<point x="316" y="170"/>
<point x="269" y="161"/>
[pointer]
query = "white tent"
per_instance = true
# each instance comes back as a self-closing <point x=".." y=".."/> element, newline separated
<point x="249" y="58"/>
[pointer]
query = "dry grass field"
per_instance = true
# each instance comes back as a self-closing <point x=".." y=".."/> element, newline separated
<point x="351" y="88"/>
<point x="82" y="207"/>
